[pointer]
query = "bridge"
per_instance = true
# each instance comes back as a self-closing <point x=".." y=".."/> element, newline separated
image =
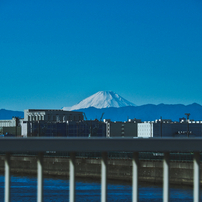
<point x="104" y="145"/>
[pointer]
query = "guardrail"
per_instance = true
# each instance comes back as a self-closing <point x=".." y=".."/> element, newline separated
<point x="104" y="145"/>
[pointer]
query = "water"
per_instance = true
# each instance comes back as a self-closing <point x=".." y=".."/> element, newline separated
<point x="24" y="188"/>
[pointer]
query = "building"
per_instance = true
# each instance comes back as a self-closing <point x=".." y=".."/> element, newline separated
<point x="42" y="122"/>
<point x="10" y="131"/>
<point x="82" y="128"/>
<point x="121" y="129"/>
<point x="11" y="127"/>
<point x="51" y="115"/>
<point x="168" y="128"/>
<point x="60" y="123"/>
<point x="88" y="128"/>
<point x="9" y="123"/>
<point x="44" y="129"/>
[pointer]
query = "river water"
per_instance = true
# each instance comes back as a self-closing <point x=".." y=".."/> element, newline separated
<point x="24" y="188"/>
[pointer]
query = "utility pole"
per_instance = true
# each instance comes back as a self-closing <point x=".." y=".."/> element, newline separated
<point x="187" y="114"/>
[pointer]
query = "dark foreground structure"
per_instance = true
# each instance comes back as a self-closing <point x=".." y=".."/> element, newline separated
<point x="104" y="145"/>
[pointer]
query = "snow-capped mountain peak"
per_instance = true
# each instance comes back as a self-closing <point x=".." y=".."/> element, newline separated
<point x="102" y="99"/>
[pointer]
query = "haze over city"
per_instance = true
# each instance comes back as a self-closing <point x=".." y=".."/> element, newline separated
<point x="55" y="54"/>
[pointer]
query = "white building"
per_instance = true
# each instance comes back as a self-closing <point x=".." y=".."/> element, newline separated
<point x="8" y="123"/>
<point x="145" y="129"/>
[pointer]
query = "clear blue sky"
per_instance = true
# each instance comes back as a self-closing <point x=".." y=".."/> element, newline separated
<point x="56" y="53"/>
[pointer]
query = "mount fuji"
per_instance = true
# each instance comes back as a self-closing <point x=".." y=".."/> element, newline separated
<point x="117" y="108"/>
<point x="100" y="100"/>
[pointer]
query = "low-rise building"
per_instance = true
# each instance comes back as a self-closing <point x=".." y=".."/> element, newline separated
<point x="41" y="122"/>
<point x="121" y="129"/>
<point x="168" y="128"/>
<point x="88" y="128"/>
<point x="60" y="123"/>
<point x="9" y="123"/>
<point x="51" y="115"/>
<point x="11" y="127"/>
<point x="66" y="129"/>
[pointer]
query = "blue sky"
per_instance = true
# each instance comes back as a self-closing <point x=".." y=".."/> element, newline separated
<point x="56" y="53"/>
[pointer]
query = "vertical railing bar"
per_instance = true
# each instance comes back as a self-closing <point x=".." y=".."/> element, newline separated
<point x="166" y="169"/>
<point x="135" y="165"/>
<point x="196" y="177"/>
<point x="104" y="177"/>
<point x="40" y="177"/>
<point x="7" y="177"/>
<point x="72" y="177"/>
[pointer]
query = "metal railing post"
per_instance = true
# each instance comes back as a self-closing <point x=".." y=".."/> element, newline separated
<point x="135" y="165"/>
<point x="104" y="177"/>
<point x="40" y="177"/>
<point x="196" y="177"/>
<point x="166" y="189"/>
<point x="72" y="177"/>
<point x="7" y="177"/>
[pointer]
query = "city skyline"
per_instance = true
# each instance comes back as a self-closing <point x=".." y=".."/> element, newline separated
<point x="55" y="54"/>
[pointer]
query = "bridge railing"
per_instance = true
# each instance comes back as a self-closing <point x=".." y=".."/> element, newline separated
<point x="104" y="145"/>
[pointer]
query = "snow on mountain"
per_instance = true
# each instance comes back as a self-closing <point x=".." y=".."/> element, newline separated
<point x="102" y="99"/>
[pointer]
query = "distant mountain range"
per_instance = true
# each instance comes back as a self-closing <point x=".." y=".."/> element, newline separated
<point x="147" y="112"/>
<point x="117" y="108"/>
<point x="8" y="114"/>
